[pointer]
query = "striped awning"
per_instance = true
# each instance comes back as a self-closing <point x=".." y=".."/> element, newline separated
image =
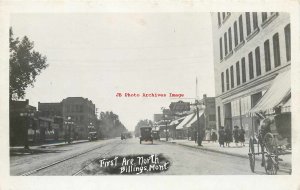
<point x="189" y="120"/>
<point x="278" y="94"/>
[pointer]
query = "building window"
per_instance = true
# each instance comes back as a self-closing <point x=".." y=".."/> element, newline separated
<point x="257" y="59"/>
<point x="287" y="33"/>
<point x="222" y="80"/>
<point x="250" y="57"/>
<point x="276" y="50"/>
<point x="238" y="80"/>
<point x="221" y="49"/>
<point x="227" y="79"/>
<point x="219" y="19"/>
<point x="231" y="77"/>
<point x="243" y="70"/>
<point x="236" y="40"/>
<point x="230" y="39"/>
<point x="248" y="24"/>
<point x="225" y="43"/>
<point x="264" y="16"/>
<point x="241" y="28"/>
<point x="267" y="55"/>
<point x="255" y="22"/>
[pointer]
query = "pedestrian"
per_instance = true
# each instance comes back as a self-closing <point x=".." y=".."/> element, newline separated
<point x="228" y="137"/>
<point x="221" y="136"/>
<point x="214" y="136"/>
<point x="236" y="135"/>
<point x="242" y="136"/>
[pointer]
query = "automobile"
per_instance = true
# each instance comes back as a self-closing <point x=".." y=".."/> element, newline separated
<point x="155" y="135"/>
<point x="123" y="136"/>
<point x="92" y="136"/>
<point x="146" y="134"/>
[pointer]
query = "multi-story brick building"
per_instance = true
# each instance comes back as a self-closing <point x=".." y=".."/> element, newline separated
<point x="250" y="50"/>
<point x="81" y="110"/>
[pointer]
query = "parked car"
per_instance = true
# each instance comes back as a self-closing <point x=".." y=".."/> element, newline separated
<point x="123" y="136"/>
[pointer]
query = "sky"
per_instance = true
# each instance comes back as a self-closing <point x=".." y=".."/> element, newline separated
<point x="97" y="55"/>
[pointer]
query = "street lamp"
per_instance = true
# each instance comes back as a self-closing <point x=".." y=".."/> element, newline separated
<point x="69" y="123"/>
<point x="166" y="121"/>
<point x="199" y="139"/>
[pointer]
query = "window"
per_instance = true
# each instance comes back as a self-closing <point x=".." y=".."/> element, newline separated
<point x="276" y="50"/>
<point x="236" y="40"/>
<point x="225" y="43"/>
<point x="222" y="80"/>
<point x="238" y="80"/>
<point x="267" y="55"/>
<point x="250" y="57"/>
<point x="257" y="59"/>
<point x="230" y="39"/>
<point x="287" y="33"/>
<point x="221" y="49"/>
<point x="248" y="24"/>
<point x="243" y="70"/>
<point x="227" y="79"/>
<point x="255" y="22"/>
<point x="241" y="28"/>
<point x="231" y="77"/>
<point x="219" y="19"/>
<point x="264" y="16"/>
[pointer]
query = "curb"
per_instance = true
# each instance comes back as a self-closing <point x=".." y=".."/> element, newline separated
<point x="286" y="166"/>
<point x="49" y="145"/>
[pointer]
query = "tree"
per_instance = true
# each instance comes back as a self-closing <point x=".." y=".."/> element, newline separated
<point x="142" y="123"/>
<point x="24" y="65"/>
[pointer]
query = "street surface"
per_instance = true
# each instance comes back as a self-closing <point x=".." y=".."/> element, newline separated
<point x="184" y="160"/>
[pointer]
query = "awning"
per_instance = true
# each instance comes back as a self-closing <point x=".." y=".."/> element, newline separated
<point x="278" y="94"/>
<point x="194" y="119"/>
<point x="176" y="121"/>
<point x="185" y="121"/>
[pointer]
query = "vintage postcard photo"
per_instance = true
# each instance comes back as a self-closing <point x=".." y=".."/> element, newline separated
<point x="111" y="93"/>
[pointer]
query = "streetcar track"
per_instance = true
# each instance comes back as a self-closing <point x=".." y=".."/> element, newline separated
<point x="104" y="154"/>
<point x="63" y="160"/>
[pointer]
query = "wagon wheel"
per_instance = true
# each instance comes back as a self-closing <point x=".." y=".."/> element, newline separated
<point x="251" y="154"/>
<point x="270" y="143"/>
<point x="271" y="166"/>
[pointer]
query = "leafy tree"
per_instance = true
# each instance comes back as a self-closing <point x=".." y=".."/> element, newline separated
<point x="24" y="65"/>
<point x="110" y="125"/>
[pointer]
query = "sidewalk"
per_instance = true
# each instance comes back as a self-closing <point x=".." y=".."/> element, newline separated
<point x="233" y="150"/>
<point x="19" y="150"/>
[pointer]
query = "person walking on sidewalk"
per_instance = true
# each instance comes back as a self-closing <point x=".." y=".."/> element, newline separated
<point x="221" y="136"/>
<point x="242" y="136"/>
<point x="236" y="135"/>
<point x="228" y="137"/>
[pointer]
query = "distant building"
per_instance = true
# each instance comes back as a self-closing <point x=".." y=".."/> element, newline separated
<point x="250" y="50"/>
<point x="82" y="111"/>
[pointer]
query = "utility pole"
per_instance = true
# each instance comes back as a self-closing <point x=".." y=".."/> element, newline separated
<point x="199" y="136"/>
